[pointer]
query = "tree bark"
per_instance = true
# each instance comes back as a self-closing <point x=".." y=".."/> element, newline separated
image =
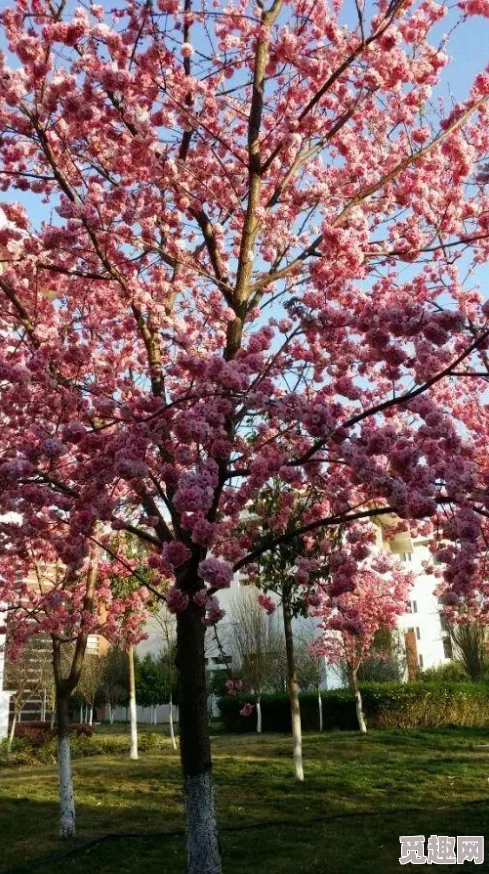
<point x="170" y="722"/>
<point x="295" y="709"/>
<point x="202" y="836"/>
<point x="90" y="715"/>
<point x="133" y="753"/>
<point x="66" y="795"/>
<point x="320" y="707"/>
<point x="358" y="701"/>
<point x="12" y="733"/>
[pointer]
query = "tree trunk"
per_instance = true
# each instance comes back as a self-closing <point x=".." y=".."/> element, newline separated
<point x="132" y="705"/>
<point x="358" y="701"/>
<point x="12" y="733"/>
<point x="259" y="722"/>
<point x="90" y="715"/>
<point x="295" y="709"/>
<point x="170" y="722"/>
<point x="111" y="717"/>
<point x="320" y="707"/>
<point x="195" y="753"/>
<point x="66" y="796"/>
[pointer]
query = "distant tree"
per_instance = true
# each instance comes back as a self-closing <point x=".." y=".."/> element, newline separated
<point x="90" y="681"/>
<point x="164" y="622"/>
<point x="152" y="682"/>
<point x="255" y="642"/>
<point x="470" y="640"/>
<point x="114" y="682"/>
<point x="310" y="669"/>
<point x="28" y="677"/>
<point x="352" y="620"/>
<point x="387" y="660"/>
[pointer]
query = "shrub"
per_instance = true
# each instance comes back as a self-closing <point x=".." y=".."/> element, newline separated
<point x="34" y="733"/>
<point x="386" y="705"/>
<point x="450" y="672"/>
<point x="38" y="733"/>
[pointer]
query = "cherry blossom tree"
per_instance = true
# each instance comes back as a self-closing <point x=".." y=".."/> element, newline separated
<point x="289" y="570"/>
<point x="49" y="601"/>
<point x="351" y="620"/>
<point x="246" y="263"/>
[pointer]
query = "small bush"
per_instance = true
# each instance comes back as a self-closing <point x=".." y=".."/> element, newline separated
<point x="37" y="733"/>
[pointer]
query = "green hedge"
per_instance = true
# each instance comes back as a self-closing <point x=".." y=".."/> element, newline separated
<point x="386" y="705"/>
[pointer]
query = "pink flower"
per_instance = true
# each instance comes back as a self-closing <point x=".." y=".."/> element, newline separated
<point x="217" y="573"/>
<point x="176" y="600"/>
<point x="187" y="50"/>
<point x="176" y="553"/>
<point x="266" y="602"/>
<point x="247" y="710"/>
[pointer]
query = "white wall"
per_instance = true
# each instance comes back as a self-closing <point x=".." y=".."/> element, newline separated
<point x="4" y="696"/>
<point x="146" y="714"/>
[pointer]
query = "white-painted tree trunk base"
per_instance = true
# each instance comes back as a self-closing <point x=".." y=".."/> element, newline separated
<point x="259" y="722"/>
<point x="359" y="711"/>
<point x="202" y="838"/>
<point x="297" y="740"/>
<point x="172" y="728"/>
<point x="134" y="730"/>
<point x="66" y="796"/>
<point x="133" y="713"/>
<point x="320" y="706"/>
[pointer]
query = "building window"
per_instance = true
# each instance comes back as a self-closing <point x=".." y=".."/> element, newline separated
<point x="418" y="634"/>
<point x="222" y="660"/>
<point x="447" y="648"/>
<point x="405" y="556"/>
<point x="421" y="661"/>
<point x="92" y="643"/>
<point x="415" y="606"/>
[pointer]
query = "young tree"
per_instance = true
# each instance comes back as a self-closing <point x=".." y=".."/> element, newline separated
<point x="28" y="676"/>
<point x="211" y="291"/>
<point x="255" y="641"/>
<point x="47" y="599"/>
<point x="164" y="623"/>
<point x="352" y="620"/>
<point x="310" y="671"/>
<point x="90" y="681"/>
<point x="115" y="680"/>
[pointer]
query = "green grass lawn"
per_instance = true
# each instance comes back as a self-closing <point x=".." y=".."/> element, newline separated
<point x="368" y="790"/>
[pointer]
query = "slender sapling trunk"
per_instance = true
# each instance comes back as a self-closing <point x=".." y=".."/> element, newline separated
<point x="259" y="722"/>
<point x="12" y="733"/>
<point x="133" y="753"/>
<point x="358" y="701"/>
<point x="170" y="721"/>
<point x="295" y="709"/>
